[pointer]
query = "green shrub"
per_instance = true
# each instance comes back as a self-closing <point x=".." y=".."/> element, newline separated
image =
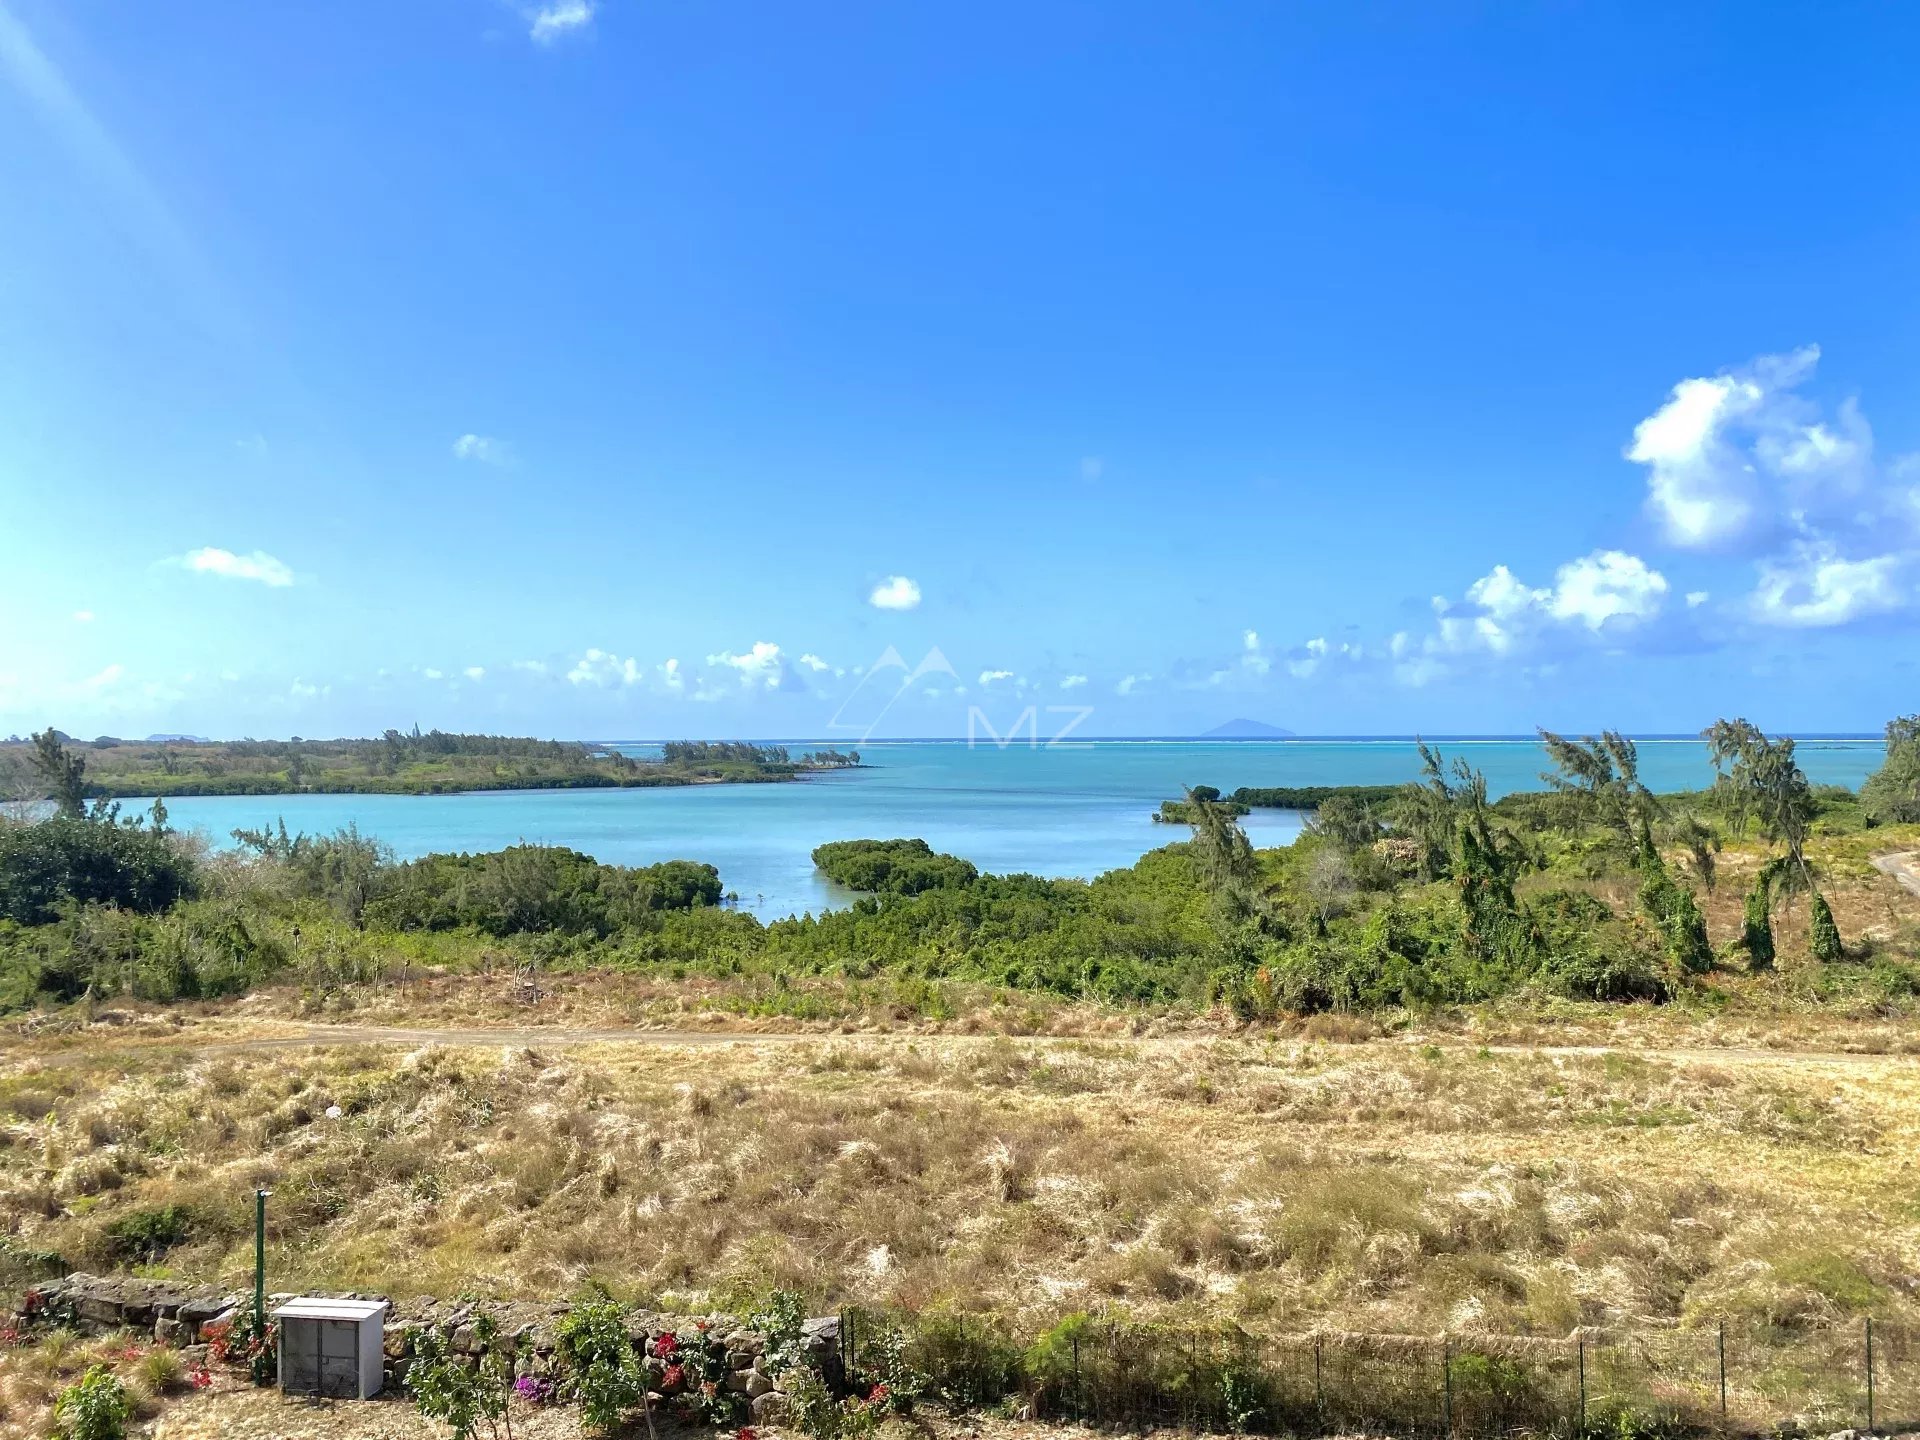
<point x="148" y="1234"/>
<point x="1826" y="934"/>
<point x="66" y="861"/>
<point x="892" y="867"/>
<point x="1756" y="923"/>
<point x="604" y="1374"/>
<point x="94" y="1407"/>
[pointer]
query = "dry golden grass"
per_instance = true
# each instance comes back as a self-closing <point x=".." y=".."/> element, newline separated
<point x="1377" y="1186"/>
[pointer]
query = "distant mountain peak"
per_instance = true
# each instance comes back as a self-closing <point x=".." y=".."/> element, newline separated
<point x="1243" y="729"/>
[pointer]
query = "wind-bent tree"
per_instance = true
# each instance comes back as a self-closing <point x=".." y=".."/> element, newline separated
<point x="1226" y="859"/>
<point x="63" y="773"/>
<point x="1601" y="778"/>
<point x="1892" y="793"/>
<point x="1758" y="780"/>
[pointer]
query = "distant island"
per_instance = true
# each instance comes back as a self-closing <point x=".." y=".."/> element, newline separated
<point x="394" y="763"/>
<point x="1243" y="729"/>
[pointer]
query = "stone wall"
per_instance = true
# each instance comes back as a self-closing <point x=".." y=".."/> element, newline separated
<point x="178" y="1315"/>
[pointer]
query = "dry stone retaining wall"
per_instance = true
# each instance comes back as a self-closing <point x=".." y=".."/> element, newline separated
<point x="178" y="1315"/>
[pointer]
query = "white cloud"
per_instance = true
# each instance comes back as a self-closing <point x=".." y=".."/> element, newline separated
<point x="1814" y="587"/>
<point x="763" y="665"/>
<point x="1129" y="683"/>
<point x="1740" y="459"/>
<point x="1252" y="655"/>
<point x="561" y="17"/>
<point x="432" y="674"/>
<point x="83" y="617"/>
<point x="601" y="667"/>
<point x="1606" y="585"/>
<point x="301" y="690"/>
<point x="1697" y="598"/>
<point x="260" y="566"/>
<point x="896" y="592"/>
<point x="1743" y="460"/>
<point x="670" y="675"/>
<point x="109" y="676"/>
<point x="1606" y="593"/>
<point x="475" y="672"/>
<point x="532" y="667"/>
<point x="483" y="449"/>
<point x="1073" y="682"/>
<point x="814" y="663"/>
<point x="988" y="677"/>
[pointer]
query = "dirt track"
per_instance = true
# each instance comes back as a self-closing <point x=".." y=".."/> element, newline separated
<point x="563" y="1036"/>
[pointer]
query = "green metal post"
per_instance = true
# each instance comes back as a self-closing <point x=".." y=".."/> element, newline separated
<point x="1583" y="1385"/>
<point x="1446" y="1376"/>
<point x="259" y="1264"/>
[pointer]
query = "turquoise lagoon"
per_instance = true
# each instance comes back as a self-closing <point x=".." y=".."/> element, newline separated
<point x="1060" y="810"/>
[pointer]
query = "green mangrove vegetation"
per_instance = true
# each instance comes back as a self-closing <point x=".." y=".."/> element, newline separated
<point x="1591" y="888"/>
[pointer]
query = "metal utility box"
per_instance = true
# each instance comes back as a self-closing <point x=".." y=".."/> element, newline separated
<point x="332" y="1347"/>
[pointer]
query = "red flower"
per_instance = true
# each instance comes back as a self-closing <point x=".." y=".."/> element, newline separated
<point x="9" y="1336"/>
<point x="667" y="1344"/>
<point x="747" y="1432"/>
<point x="675" y="1374"/>
<point x="878" y="1395"/>
<point x="703" y="1326"/>
<point x="199" y="1377"/>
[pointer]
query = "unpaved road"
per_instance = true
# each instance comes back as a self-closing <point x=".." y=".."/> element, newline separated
<point x="554" y="1037"/>
<point x="1904" y="867"/>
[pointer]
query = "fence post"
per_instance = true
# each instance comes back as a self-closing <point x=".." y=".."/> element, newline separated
<point x="1319" y="1389"/>
<point x="1582" y="1342"/>
<point x="1720" y="1335"/>
<point x="1869" y="1373"/>
<point x="1446" y="1381"/>
<point x="1079" y="1396"/>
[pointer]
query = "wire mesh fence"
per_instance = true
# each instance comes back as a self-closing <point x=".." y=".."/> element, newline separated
<point x="1119" y="1373"/>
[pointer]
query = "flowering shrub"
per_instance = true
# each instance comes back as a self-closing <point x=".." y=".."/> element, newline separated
<point x="694" y="1376"/>
<point x="199" y="1377"/>
<point x="536" y="1389"/>
<point x="234" y="1343"/>
<point x="10" y="1336"/>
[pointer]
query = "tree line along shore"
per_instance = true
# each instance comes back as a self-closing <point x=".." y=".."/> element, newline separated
<point x="394" y="763"/>
<point x="1591" y="889"/>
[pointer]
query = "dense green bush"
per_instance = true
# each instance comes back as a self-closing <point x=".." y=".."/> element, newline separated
<point x="603" y="1372"/>
<point x="94" y="1407"/>
<point x="535" y="888"/>
<point x="892" y="867"/>
<point x="54" y="863"/>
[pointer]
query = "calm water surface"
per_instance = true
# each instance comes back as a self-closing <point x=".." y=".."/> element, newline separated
<point x="1059" y="811"/>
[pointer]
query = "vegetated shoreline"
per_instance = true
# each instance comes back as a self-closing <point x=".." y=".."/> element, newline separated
<point x="393" y="763"/>
<point x="506" y="785"/>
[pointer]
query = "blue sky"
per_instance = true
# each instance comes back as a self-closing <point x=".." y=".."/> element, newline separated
<point x="609" y="368"/>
